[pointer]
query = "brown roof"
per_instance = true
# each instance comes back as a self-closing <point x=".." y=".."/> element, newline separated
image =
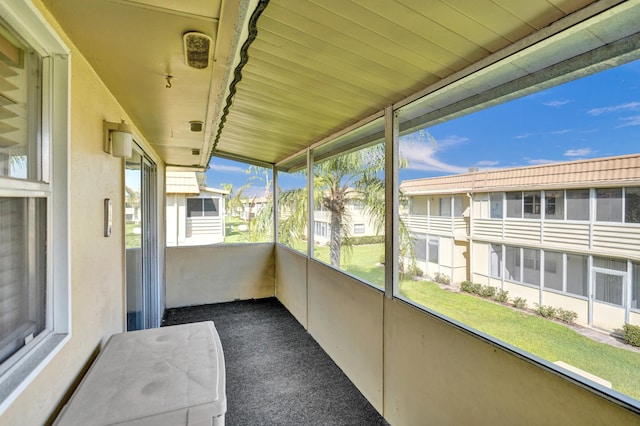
<point x="182" y="183"/>
<point x="612" y="171"/>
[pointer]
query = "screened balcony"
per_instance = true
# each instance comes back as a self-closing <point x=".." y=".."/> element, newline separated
<point x="293" y="87"/>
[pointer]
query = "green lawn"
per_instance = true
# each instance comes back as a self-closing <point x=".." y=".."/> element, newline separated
<point x="233" y="235"/>
<point x="547" y="339"/>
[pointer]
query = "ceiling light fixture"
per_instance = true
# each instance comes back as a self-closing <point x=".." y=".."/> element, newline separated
<point x="196" y="49"/>
<point x="196" y="125"/>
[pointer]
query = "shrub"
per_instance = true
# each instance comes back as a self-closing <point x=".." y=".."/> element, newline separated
<point x="546" y="311"/>
<point x="365" y="239"/>
<point x="501" y="296"/>
<point x="566" y="315"/>
<point x="441" y="278"/>
<point x="488" y="291"/>
<point x="519" y="302"/>
<point x="631" y="333"/>
<point x="476" y="288"/>
<point x="466" y="286"/>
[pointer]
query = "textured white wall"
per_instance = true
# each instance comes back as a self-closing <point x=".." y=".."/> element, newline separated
<point x="219" y="273"/>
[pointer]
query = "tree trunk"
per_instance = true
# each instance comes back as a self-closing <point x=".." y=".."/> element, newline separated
<point x="336" y="237"/>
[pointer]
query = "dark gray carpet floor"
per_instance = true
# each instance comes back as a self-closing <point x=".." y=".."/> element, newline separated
<point x="276" y="372"/>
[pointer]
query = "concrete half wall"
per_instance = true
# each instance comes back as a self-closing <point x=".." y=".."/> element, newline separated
<point x="417" y="369"/>
<point x="219" y="273"/>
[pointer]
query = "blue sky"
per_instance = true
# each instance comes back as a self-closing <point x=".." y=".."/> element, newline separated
<point x="597" y="116"/>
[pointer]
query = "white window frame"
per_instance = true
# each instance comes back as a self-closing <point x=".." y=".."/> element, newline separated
<point x="23" y="18"/>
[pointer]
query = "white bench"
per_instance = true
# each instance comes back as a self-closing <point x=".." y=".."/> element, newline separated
<point x="164" y="376"/>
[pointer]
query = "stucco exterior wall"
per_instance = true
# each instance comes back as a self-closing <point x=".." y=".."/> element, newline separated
<point x="219" y="273"/>
<point x="437" y="374"/>
<point x="346" y="319"/>
<point x="291" y="281"/>
<point x="97" y="263"/>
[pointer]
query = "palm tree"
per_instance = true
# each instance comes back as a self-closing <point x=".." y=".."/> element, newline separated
<point x="355" y="177"/>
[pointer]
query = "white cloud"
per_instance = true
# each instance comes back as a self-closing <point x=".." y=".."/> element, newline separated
<point x="630" y="106"/>
<point x="487" y="163"/>
<point x="227" y="169"/>
<point x="630" y="121"/>
<point x="421" y="156"/>
<point x="557" y="103"/>
<point x="538" y="161"/>
<point x="580" y="152"/>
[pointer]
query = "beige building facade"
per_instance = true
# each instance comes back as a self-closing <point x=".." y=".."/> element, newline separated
<point x="565" y="234"/>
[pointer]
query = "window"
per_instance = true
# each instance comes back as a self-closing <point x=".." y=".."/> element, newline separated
<point x="358" y="228"/>
<point x="554" y="205"/>
<point x="33" y="206"/>
<point x="445" y="206"/>
<point x="200" y="207"/>
<point x="23" y="220"/>
<point x="577" y="281"/>
<point x="609" y="285"/>
<point x="457" y="206"/>
<point x="433" y="249"/>
<point x="532" y="205"/>
<point x="352" y="178"/>
<point x="514" y="204"/>
<point x="577" y="204"/>
<point x="490" y="137"/>
<point x="495" y="269"/>
<point x="553" y="270"/>
<point x="609" y="204"/>
<point x="632" y="205"/>
<point x="512" y="270"/>
<point x="495" y="205"/>
<point x="420" y="246"/>
<point x="248" y="204"/>
<point x="531" y="266"/>
<point x="635" y="286"/>
<point x="291" y="190"/>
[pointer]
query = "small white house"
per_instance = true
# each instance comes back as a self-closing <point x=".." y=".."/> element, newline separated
<point x="195" y="215"/>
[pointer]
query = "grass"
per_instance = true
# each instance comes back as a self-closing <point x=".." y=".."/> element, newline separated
<point x="232" y="234"/>
<point x="546" y="339"/>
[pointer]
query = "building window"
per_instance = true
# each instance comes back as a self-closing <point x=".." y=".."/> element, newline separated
<point x="514" y="204"/>
<point x="420" y="246"/>
<point x="512" y="264"/>
<point x="495" y="205"/>
<point x="635" y="286"/>
<point x="554" y="205"/>
<point x="495" y="268"/>
<point x="553" y="270"/>
<point x="358" y="228"/>
<point x="433" y="249"/>
<point x="577" y="204"/>
<point x="34" y="283"/>
<point x="577" y="281"/>
<point x="445" y="207"/>
<point x="531" y="266"/>
<point x="532" y="206"/>
<point x="200" y="207"/>
<point x="457" y="206"/>
<point x="632" y="205"/>
<point x="609" y="204"/>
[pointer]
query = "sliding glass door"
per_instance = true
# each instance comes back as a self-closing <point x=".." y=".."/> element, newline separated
<point x="141" y="243"/>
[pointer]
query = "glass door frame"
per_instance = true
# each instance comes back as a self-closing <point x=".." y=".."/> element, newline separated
<point x="148" y="288"/>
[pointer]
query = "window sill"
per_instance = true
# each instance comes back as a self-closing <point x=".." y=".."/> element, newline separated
<point x="14" y="381"/>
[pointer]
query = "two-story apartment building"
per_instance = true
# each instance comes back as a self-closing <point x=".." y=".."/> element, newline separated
<point x="562" y="234"/>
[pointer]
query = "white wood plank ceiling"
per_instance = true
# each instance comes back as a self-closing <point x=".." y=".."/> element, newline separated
<point x="316" y="66"/>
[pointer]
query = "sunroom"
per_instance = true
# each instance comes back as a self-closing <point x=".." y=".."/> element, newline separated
<point x="102" y="96"/>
